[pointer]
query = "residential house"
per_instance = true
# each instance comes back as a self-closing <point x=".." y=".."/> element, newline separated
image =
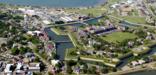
<point x="34" y="67"/>
<point x="8" y="70"/>
<point x="134" y="63"/>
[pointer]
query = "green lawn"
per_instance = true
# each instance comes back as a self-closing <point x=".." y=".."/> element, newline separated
<point x="133" y="19"/>
<point x="58" y="32"/>
<point x="72" y="36"/>
<point x="139" y="20"/>
<point x="118" y="37"/>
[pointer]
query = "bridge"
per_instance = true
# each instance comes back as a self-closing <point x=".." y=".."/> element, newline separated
<point x="77" y="22"/>
<point x="62" y="41"/>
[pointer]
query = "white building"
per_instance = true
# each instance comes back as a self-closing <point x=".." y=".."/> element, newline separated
<point x="141" y="62"/>
<point x="7" y="70"/>
<point x="54" y="62"/>
<point x="34" y="67"/>
<point x="66" y="19"/>
<point x="135" y="63"/>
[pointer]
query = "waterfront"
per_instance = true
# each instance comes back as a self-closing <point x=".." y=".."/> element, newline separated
<point x="55" y="3"/>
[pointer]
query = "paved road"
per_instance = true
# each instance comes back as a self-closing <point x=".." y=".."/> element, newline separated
<point x="32" y="46"/>
<point x="148" y="8"/>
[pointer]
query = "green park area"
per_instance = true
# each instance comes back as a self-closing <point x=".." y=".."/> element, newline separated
<point x="74" y="40"/>
<point x="58" y="31"/>
<point x="134" y="19"/>
<point x="118" y="37"/>
<point x="131" y="19"/>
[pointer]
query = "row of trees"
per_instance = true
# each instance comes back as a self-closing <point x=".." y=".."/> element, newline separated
<point x="22" y="50"/>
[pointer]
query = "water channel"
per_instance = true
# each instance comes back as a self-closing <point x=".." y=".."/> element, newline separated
<point x="60" y="40"/>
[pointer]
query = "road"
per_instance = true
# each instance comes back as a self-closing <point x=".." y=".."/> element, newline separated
<point x="148" y="8"/>
<point x="32" y="46"/>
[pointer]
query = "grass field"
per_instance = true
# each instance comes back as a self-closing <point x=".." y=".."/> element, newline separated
<point x="118" y="37"/>
<point x="72" y="36"/>
<point x="58" y="32"/>
<point x="139" y="20"/>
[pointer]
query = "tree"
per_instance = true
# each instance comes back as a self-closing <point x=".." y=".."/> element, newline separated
<point x="53" y="55"/>
<point x="37" y="73"/>
<point x="59" y="22"/>
<point x="34" y="40"/>
<point x="37" y="59"/>
<point x="3" y="45"/>
<point x="10" y="43"/>
<point x="124" y="43"/>
<point x="141" y="33"/>
<point x="18" y="17"/>
<point x="85" y="68"/>
<point x="104" y="70"/>
<point x="42" y="66"/>
<point x="97" y="47"/>
<point x="14" y="51"/>
<point x="114" y="69"/>
<point x="23" y="50"/>
<point x="72" y="52"/>
<point x="71" y="63"/>
<point x="50" y="73"/>
<point x="90" y="15"/>
<point x="69" y="70"/>
<point x="92" y="70"/>
<point x="155" y="22"/>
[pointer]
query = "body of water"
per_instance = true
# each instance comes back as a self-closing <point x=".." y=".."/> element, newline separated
<point x="55" y="3"/>
<point x="150" y="72"/>
<point x="62" y="46"/>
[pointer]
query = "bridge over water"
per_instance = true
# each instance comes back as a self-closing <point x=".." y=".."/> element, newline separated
<point x="77" y="23"/>
<point x="64" y="42"/>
